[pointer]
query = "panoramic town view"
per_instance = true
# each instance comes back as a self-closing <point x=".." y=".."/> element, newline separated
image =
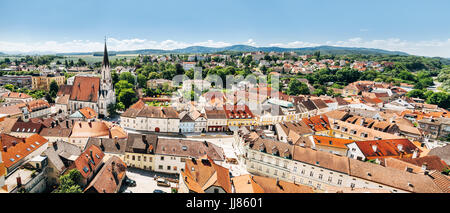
<point x="95" y="102"/>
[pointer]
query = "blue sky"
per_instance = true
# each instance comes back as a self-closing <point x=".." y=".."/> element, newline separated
<point x="416" y="27"/>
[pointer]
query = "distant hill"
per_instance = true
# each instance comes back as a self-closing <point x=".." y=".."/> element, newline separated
<point x="325" y="50"/>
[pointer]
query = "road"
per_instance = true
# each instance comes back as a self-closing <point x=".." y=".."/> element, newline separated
<point x="145" y="182"/>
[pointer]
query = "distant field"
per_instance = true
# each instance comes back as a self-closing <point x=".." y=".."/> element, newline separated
<point x="88" y="58"/>
<point x="92" y="59"/>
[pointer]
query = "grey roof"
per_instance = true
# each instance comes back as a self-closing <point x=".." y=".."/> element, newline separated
<point x="189" y="148"/>
<point x="442" y="152"/>
<point x="309" y="105"/>
<point x="185" y="117"/>
<point x="108" y="145"/>
<point x="136" y="143"/>
<point x="300" y="108"/>
<point x="61" y="149"/>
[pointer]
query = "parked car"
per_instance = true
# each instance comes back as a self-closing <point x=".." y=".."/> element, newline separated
<point x="158" y="191"/>
<point x="162" y="182"/>
<point x="130" y="182"/>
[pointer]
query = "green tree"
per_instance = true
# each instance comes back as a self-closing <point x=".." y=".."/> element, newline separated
<point x="296" y="87"/>
<point x="142" y="81"/>
<point x="53" y="88"/>
<point x="127" y="76"/>
<point x="70" y="182"/>
<point x="416" y="93"/>
<point x="441" y="99"/>
<point x="115" y="77"/>
<point x="111" y="109"/>
<point x="127" y="97"/>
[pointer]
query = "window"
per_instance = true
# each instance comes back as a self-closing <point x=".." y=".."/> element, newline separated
<point x="320" y="176"/>
<point x="133" y="158"/>
<point x="168" y="167"/>
<point x="162" y="158"/>
<point x="330" y="179"/>
<point x="160" y="167"/>
<point x="139" y="158"/>
<point x="145" y="158"/>
<point x="352" y="185"/>
<point x="339" y="182"/>
<point x="311" y="174"/>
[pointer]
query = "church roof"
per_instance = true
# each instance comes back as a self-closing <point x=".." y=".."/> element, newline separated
<point x="85" y="89"/>
<point x="105" y="57"/>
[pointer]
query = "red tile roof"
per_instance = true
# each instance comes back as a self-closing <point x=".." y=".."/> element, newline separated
<point x="85" y="89"/>
<point x="331" y="141"/>
<point x="238" y="111"/>
<point x="22" y="149"/>
<point x="386" y="148"/>
<point x="109" y="178"/>
<point x="88" y="112"/>
<point x="82" y="129"/>
<point x="89" y="161"/>
<point x="317" y="123"/>
<point x="16" y="95"/>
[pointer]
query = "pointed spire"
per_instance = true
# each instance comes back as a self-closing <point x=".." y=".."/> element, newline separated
<point x="105" y="56"/>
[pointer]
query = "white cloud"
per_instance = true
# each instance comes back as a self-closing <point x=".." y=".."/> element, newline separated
<point x="250" y="42"/>
<point x="91" y="46"/>
<point x="425" y="48"/>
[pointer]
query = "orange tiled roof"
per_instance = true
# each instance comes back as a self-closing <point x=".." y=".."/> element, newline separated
<point x="386" y="148"/>
<point x="206" y="173"/>
<point x="16" y="95"/>
<point x="88" y="112"/>
<point x="318" y="123"/>
<point x="82" y="129"/>
<point x="13" y="154"/>
<point x="86" y="163"/>
<point x="105" y="181"/>
<point x="85" y="89"/>
<point x="245" y="184"/>
<point x="331" y="141"/>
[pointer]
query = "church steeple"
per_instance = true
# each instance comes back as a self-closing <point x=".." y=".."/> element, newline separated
<point x="105" y="56"/>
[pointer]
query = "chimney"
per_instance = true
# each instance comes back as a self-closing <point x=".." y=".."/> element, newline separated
<point x="424" y="166"/>
<point x="116" y="142"/>
<point x="400" y="147"/>
<point x="415" y="153"/>
<point x="374" y="147"/>
<point x="19" y="181"/>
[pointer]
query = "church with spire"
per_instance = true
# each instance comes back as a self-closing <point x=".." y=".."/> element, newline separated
<point x="94" y="92"/>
